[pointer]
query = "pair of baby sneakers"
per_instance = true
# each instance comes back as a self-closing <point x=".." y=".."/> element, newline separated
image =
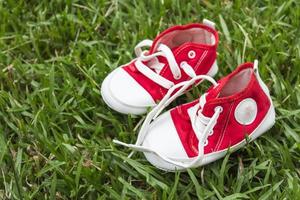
<point x="233" y="111"/>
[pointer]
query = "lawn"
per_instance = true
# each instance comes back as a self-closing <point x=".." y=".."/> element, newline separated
<point x="56" y="132"/>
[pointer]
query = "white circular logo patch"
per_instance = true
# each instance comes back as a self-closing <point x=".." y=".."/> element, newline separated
<point x="246" y="111"/>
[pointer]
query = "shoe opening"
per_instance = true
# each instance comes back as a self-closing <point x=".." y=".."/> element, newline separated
<point x="196" y="35"/>
<point x="237" y="83"/>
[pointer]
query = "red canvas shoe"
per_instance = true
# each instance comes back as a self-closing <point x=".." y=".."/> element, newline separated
<point x="236" y="109"/>
<point x="176" y="55"/>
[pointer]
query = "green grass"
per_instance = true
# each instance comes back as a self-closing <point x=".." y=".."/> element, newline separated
<point x="56" y="132"/>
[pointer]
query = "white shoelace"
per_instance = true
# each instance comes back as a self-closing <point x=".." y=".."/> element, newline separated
<point x="202" y="125"/>
<point x="165" y="51"/>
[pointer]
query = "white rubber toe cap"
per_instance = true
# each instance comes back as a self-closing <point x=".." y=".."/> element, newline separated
<point x="123" y="94"/>
<point x="164" y="139"/>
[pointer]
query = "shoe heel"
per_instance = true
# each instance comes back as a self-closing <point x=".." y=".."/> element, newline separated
<point x="213" y="70"/>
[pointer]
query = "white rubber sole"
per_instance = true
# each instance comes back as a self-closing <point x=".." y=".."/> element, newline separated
<point x="264" y="126"/>
<point x="120" y="107"/>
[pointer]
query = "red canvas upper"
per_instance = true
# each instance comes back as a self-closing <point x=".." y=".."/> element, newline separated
<point x="202" y="62"/>
<point x="227" y="131"/>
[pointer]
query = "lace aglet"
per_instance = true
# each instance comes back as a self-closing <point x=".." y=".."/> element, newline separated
<point x="120" y="143"/>
<point x="124" y="144"/>
<point x="131" y="154"/>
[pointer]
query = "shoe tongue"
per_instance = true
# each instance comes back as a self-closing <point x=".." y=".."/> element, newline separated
<point x="156" y="64"/>
<point x="213" y="92"/>
<point x="156" y="43"/>
<point x="159" y="62"/>
<point x="172" y="37"/>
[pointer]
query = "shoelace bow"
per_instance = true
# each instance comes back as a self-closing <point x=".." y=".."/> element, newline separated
<point x="165" y="51"/>
<point x="202" y="125"/>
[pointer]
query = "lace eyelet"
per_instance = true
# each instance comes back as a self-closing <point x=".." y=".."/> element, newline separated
<point x="183" y="63"/>
<point x="192" y="54"/>
<point x="199" y="112"/>
<point x="211" y="132"/>
<point x="206" y="143"/>
<point x="177" y="77"/>
<point x="219" y="108"/>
